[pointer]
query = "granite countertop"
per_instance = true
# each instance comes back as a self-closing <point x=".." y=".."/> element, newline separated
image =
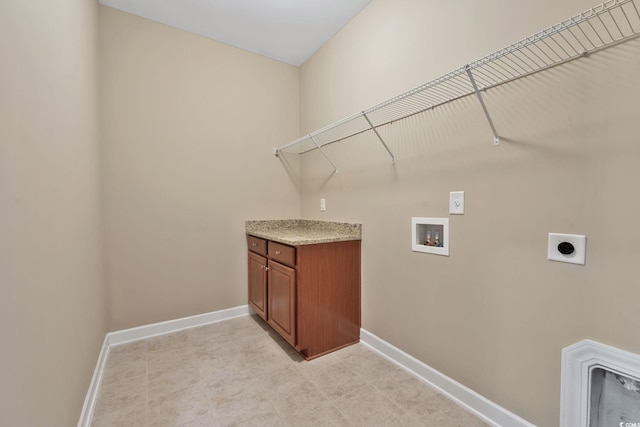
<point x="297" y="232"/>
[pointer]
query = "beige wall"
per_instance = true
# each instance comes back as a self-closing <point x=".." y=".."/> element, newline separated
<point x="188" y="126"/>
<point x="52" y="305"/>
<point x="495" y="314"/>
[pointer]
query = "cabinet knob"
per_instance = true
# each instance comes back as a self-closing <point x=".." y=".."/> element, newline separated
<point x="254" y="244"/>
<point x="278" y="252"/>
<point x="266" y="268"/>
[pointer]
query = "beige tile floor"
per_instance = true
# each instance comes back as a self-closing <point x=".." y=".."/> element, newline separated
<point x="241" y="373"/>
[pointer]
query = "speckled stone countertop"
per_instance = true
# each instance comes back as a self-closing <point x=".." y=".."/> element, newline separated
<point x="297" y="232"/>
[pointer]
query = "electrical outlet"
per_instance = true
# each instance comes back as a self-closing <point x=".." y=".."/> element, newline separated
<point x="456" y="202"/>
<point x="569" y="248"/>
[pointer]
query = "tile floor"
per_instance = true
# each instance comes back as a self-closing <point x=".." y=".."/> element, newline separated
<point x="240" y="373"/>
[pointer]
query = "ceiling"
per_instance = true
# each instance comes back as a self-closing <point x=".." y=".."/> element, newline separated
<point x="286" y="30"/>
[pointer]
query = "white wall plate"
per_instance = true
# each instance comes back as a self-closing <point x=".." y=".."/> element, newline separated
<point x="569" y="248"/>
<point x="456" y="203"/>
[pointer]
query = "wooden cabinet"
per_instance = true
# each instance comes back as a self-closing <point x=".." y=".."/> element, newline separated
<point x="282" y="300"/>
<point x="258" y="275"/>
<point x="258" y="284"/>
<point x="312" y="292"/>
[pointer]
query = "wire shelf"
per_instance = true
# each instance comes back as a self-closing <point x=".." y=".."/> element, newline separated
<point x="605" y="25"/>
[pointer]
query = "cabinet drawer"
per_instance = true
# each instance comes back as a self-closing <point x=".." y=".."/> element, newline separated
<point x="282" y="253"/>
<point x="257" y="245"/>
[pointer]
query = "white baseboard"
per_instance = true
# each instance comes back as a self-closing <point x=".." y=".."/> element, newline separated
<point x="94" y="386"/>
<point x="148" y="331"/>
<point x="143" y="332"/>
<point x="472" y="401"/>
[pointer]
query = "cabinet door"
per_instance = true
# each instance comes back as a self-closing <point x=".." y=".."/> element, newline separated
<point x="282" y="301"/>
<point x="258" y="284"/>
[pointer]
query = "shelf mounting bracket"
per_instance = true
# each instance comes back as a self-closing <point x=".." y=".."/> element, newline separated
<point x="393" y="159"/>
<point x="335" y="168"/>
<point x="496" y="137"/>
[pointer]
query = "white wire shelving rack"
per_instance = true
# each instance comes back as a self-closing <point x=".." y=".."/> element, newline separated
<point x="608" y="24"/>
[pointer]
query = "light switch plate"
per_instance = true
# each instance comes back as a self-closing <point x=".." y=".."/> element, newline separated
<point x="456" y="202"/>
<point x="577" y="241"/>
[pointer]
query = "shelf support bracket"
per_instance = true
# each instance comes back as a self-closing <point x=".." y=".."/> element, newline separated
<point x="393" y="159"/>
<point x="496" y="137"/>
<point x="335" y="168"/>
